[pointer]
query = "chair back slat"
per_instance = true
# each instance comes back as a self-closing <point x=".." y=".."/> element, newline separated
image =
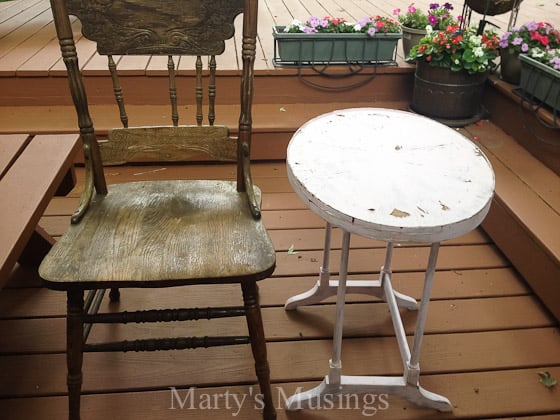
<point x="174" y="144"/>
<point x="166" y="27"/>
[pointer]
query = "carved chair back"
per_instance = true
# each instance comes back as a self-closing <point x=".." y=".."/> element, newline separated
<point x="171" y="28"/>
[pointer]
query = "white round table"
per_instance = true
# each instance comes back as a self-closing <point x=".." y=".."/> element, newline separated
<point x="393" y="176"/>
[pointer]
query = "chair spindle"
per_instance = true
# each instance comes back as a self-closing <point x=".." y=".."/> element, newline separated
<point x="117" y="90"/>
<point x="172" y="91"/>
<point x="198" y="90"/>
<point x="212" y="91"/>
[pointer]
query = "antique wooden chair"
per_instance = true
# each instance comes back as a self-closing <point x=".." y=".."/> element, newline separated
<point x="161" y="233"/>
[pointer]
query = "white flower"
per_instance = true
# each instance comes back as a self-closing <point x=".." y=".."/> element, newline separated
<point x="475" y="39"/>
<point x="357" y="27"/>
<point x="478" y="51"/>
<point x="536" y="52"/>
<point x="294" y="24"/>
<point x="429" y="29"/>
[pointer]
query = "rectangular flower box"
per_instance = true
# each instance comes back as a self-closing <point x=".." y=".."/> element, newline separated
<point x="333" y="48"/>
<point x="540" y="81"/>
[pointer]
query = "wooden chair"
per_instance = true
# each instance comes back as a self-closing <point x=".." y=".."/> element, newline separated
<point x="161" y="233"/>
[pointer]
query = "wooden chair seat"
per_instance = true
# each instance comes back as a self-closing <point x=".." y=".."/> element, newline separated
<point x="146" y="234"/>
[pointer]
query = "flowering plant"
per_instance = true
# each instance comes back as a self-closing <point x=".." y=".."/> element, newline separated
<point x="540" y="35"/>
<point x="458" y="49"/>
<point x="549" y="57"/>
<point x="438" y="16"/>
<point x="370" y="25"/>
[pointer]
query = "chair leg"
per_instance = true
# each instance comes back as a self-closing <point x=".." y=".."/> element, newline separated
<point x="74" y="350"/>
<point x="258" y="345"/>
<point x="114" y="295"/>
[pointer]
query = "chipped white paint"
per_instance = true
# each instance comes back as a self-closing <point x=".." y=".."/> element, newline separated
<point x="390" y="175"/>
<point x="393" y="176"/>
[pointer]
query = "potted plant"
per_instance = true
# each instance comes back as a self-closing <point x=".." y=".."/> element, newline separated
<point x="540" y="76"/>
<point x="414" y="22"/>
<point x="451" y="70"/>
<point x="540" y="35"/>
<point x="372" y="40"/>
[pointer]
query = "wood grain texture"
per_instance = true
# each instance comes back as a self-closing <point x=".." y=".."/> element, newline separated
<point x="168" y="144"/>
<point x="33" y="173"/>
<point x="135" y="27"/>
<point x="488" y="335"/>
<point x="162" y="231"/>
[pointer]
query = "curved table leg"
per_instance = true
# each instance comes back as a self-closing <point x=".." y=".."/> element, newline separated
<point x="325" y="287"/>
<point x="335" y="383"/>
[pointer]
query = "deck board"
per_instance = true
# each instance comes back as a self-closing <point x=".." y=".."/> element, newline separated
<point x="487" y="335"/>
<point x="26" y="33"/>
<point x="487" y="338"/>
<point x="298" y="361"/>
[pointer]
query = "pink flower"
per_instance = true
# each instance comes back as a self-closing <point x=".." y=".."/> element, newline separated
<point x="411" y="8"/>
<point x="396" y="12"/>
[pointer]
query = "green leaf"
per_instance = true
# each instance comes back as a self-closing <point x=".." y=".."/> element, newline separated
<point x="547" y="380"/>
<point x="469" y="56"/>
<point x="291" y="250"/>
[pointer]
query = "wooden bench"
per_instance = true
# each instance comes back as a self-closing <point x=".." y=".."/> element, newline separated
<point x="32" y="170"/>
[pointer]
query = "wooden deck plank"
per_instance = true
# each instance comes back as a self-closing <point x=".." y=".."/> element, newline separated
<point x="16" y="6"/>
<point x="481" y="395"/>
<point x="20" y="24"/>
<point x="303" y="360"/>
<point x="22" y="44"/>
<point x="525" y="210"/>
<point x="23" y="208"/>
<point x="529" y="169"/>
<point x="10" y="147"/>
<point x="485" y="327"/>
<point x="405" y="259"/>
<point x="313" y="239"/>
<point x="47" y="335"/>
<point x="18" y="303"/>
<point x="16" y="17"/>
<point x="279" y="12"/>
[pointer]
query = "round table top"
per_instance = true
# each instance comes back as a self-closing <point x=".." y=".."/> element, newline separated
<point x="390" y="175"/>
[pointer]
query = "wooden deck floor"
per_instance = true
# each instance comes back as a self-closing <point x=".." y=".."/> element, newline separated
<point x="487" y="338"/>
<point x="28" y="46"/>
<point x="487" y="335"/>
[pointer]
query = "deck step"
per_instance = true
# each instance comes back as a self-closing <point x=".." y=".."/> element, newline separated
<point x="524" y="220"/>
<point x="274" y="123"/>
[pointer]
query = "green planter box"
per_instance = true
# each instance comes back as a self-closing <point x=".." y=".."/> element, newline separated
<point x="540" y="81"/>
<point x="333" y="48"/>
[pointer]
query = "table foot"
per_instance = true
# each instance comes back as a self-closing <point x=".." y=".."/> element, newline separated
<point x="327" y="395"/>
<point x="320" y="291"/>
